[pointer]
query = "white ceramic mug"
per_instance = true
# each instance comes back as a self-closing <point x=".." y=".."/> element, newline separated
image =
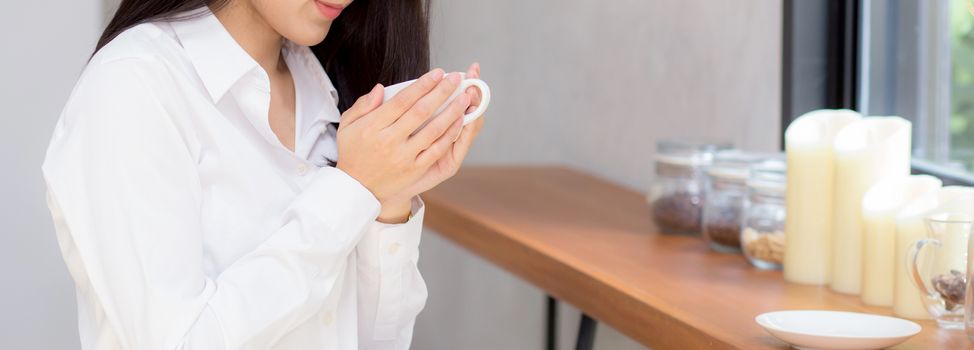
<point x="468" y="118"/>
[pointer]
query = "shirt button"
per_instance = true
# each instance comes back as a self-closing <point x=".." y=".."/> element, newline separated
<point x="393" y="248"/>
<point x="302" y="169"/>
<point x="327" y="318"/>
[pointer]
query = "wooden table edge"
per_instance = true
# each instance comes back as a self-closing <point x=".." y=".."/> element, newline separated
<point x="646" y="324"/>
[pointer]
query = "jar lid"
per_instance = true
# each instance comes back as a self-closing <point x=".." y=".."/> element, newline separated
<point x="769" y="175"/>
<point x="735" y="165"/>
<point x="687" y="154"/>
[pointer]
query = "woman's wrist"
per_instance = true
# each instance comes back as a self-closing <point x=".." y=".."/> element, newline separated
<point x="395" y="211"/>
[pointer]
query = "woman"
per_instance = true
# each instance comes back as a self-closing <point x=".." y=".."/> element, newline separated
<point x="205" y="195"/>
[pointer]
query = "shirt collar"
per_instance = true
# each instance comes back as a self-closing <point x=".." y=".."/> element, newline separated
<point x="219" y="61"/>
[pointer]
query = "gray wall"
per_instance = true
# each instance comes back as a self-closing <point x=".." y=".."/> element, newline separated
<point x="45" y="46"/>
<point x="592" y="84"/>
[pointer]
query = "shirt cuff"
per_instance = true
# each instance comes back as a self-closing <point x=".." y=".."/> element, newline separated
<point x="397" y="242"/>
<point x="339" y="201"/>
<point x="389" y="253"/>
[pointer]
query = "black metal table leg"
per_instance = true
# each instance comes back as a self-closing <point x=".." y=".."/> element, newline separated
<point x="586" y="333"/>
<point x="551" y="324"/>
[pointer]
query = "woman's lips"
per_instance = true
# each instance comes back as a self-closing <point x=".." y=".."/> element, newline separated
<point x="330" y="11"/>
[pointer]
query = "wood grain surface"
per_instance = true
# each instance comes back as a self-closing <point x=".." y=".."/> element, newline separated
<point x="592" y="244"/>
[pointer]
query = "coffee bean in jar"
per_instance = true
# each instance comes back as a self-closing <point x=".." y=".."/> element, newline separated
<point x="725" y="194"/>
<point x="678" y="212"/>
<point x="722" y="228"/>
<point x="676" y="193"/>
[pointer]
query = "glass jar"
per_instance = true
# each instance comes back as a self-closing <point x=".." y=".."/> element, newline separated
<point x="676" y="193"/>
<point x="763" y="230"/>
<point x="726" y="192"/>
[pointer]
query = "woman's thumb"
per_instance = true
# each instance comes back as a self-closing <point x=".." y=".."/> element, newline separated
<point x="365" y="104"/>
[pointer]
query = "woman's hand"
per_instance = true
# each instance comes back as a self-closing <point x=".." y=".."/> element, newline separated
<point x="447" y="165"/>
<point x="374" y="142"/>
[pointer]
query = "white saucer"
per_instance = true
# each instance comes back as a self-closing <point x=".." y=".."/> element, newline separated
<point x="836" y="330"/>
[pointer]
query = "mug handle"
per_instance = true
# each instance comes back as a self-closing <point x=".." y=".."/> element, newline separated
<point x="484" y="98"/>
<point x="913" y="266"/>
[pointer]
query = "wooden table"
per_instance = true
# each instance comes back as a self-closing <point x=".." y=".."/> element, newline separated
<point x="592" y="244"/>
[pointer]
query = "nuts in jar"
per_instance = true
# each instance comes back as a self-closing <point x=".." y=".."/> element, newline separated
<point x="764" y="249"/>
<point x="763" y="236"/>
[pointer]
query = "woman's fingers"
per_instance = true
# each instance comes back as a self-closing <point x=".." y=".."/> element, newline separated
<point x="441" y="123"/>
<point x="465" y="139"/>
<point x="363" y="105"/>
<point x="425" y="108"/>
<point x="473" y="72"/>
<point x="440" y="147"/>
<point x="391" y="110"/>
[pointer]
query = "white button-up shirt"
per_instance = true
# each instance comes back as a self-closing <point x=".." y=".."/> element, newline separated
<point x="186" y="224"/>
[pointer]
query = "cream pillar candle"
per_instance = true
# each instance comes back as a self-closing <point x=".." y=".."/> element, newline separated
<point x="866" y="151"/>
<point x="808" y="198"/>
<point x="880" y="207"/>
<point x="952" y="254"/>
<point x="910" y="227"/>
<point x="955" y="246"/>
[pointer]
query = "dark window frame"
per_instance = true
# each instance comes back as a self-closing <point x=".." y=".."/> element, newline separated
<point x="821" y="68"/>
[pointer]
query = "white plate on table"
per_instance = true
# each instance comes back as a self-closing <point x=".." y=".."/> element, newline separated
<point x="837" y="330"/>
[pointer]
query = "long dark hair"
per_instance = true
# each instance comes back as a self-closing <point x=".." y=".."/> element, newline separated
<point x="373" y="41"/>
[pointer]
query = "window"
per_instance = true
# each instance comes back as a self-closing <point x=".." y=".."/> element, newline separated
<point x="911" y="58"/>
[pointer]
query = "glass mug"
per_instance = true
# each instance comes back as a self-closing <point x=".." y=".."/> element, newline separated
<point x="941" y="271"/>
<point x="468" y="118"/>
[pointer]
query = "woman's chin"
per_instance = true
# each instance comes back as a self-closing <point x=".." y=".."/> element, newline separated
<point x="310" y="36"/>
